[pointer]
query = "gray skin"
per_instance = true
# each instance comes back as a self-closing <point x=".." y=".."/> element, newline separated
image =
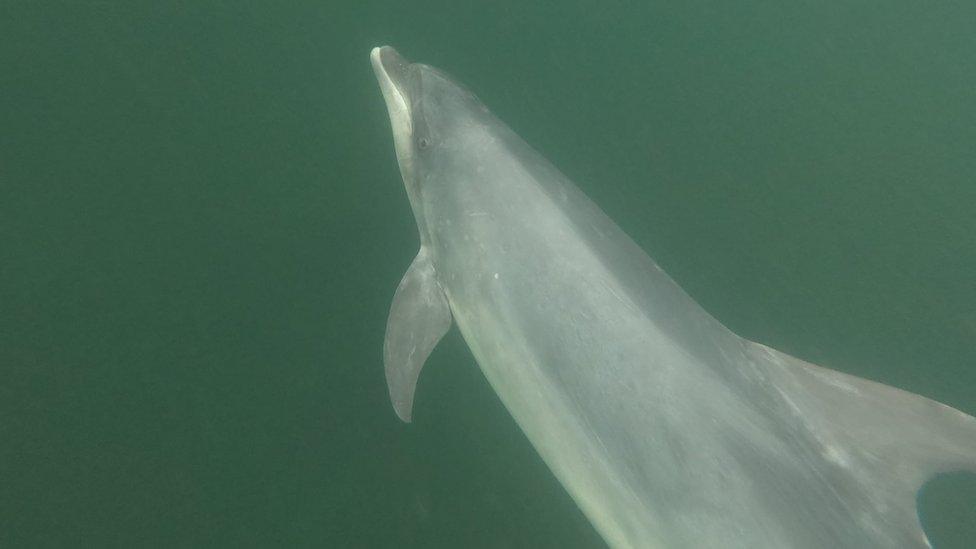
<point x="665" y="427"/>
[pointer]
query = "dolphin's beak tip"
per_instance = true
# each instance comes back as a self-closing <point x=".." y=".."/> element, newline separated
<point x="378" y="50"/>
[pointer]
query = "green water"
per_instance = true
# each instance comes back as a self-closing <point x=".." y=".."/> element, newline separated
<point x="202" y="225"/>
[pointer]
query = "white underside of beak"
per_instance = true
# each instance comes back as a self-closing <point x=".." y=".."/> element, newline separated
<point x="396" y="105"/>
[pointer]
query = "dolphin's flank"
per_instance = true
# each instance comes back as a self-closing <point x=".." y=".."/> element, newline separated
<point x="666" y="428"/>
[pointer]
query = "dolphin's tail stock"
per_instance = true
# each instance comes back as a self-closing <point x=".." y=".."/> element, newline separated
<point x="888" y="440"/>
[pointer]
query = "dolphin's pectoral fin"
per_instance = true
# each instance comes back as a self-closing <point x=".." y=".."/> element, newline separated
<point x="892" y="440"/>
<point x="419" y="318"/>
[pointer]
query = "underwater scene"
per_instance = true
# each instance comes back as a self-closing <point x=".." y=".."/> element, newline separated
<point x="492" y="274"/>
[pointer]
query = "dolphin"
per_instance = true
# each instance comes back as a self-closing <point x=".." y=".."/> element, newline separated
<point x="666" y="428"/>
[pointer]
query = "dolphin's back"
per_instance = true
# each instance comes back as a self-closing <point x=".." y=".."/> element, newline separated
<point x="667" y="428"/>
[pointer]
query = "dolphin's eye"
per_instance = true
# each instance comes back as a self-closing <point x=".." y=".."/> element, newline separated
<point x="423" y="143"/>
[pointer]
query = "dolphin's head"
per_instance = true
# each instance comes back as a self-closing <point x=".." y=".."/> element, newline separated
<point x="430" y="114"/>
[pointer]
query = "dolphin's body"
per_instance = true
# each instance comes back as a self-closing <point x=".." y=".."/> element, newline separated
<point x="666" y="428"/>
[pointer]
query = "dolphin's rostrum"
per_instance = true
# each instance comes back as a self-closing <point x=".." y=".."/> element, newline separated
<point x="666" y="428"/>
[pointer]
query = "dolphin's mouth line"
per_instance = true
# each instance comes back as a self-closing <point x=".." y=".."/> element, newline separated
<point x="392" y="72"/>
<point x="396" y="103"/>
<point x="386" y="60"/>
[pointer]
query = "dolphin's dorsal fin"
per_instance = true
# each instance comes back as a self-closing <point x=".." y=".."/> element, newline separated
<point x="419" y="318"/>
<point x="892" y="440"/>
